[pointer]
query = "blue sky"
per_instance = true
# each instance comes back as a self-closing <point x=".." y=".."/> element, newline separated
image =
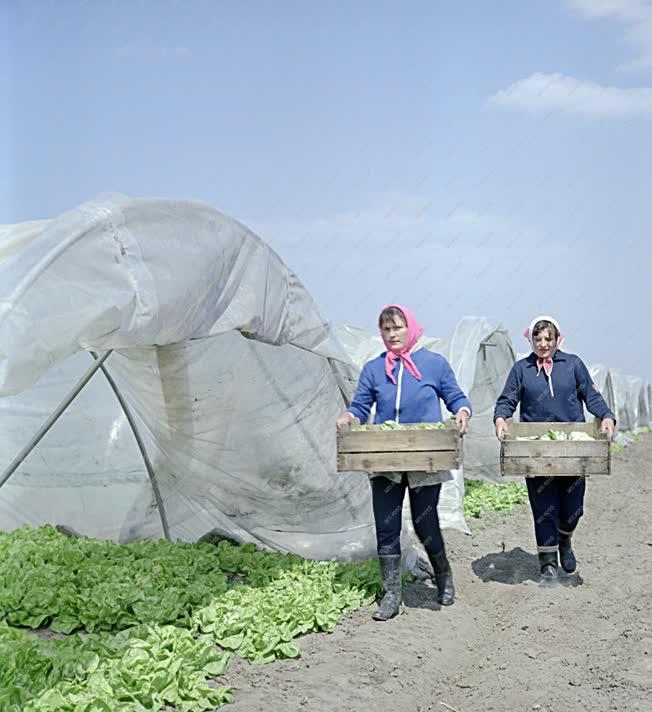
<point x="461" y="158"/>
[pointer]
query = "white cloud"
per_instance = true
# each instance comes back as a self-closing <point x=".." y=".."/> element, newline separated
<point x="557" y="92"/>
<point x="625" y="9"/>
<point x="635" y="15"/>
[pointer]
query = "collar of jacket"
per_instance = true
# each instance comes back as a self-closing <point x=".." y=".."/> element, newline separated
<point x="557" y="356"/>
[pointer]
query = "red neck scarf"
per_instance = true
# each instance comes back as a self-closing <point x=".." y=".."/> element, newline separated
<point x="546" y="364"/>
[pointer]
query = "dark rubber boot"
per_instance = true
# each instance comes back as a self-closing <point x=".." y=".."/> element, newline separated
<point x="548" y="561"/>
<point x="566" y="555"/>
<point x="390" y="572"/>
<point x="443" y="578"/>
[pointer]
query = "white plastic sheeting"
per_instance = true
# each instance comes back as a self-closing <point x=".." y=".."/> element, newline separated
<point x="633" y="397"/>
<point x="121" y="273"/>
<point x="233" y="378"/>
<point x="627" y="396"/>
<point x="644" y="405"/>
<point x="87" y="472"/>
<point x="253" y="459"/>
<point x="602" y="380"/>
<point x="625" y="410"/>
<point x="240" y="432"/>
<point x="481" y="355"/>
<point x="635" y="386"/>
<point x="232" y="375"/>
<point x="601" y="376"/>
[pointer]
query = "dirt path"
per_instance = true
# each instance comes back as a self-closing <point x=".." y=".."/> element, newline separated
<point x="507" y="643"/>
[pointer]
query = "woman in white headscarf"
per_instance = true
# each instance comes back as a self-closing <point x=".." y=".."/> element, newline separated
<point x="552" y="386"/>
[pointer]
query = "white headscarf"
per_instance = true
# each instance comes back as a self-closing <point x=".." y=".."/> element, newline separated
<point x="544" y="363"/>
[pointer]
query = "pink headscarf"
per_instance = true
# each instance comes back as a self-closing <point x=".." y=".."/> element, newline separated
<point x="545" y="363"/>
<point x="414" y="332"/>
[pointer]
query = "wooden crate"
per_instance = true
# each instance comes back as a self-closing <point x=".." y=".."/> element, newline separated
<point x="408" y="450"/>
<point x="559" y="458"/>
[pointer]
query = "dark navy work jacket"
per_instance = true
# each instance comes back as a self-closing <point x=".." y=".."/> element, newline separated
<point x="572" y="385"/>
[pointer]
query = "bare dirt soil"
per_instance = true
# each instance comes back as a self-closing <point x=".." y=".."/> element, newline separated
<point x="507" y="643"/>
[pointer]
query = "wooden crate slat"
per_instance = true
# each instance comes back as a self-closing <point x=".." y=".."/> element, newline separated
<point x="525" y="429"/>
<point x="555" y="448"/>
<point x="557" y="458"/>
<point x="558" y="467"/>
<point x="395" y="440"/>
<point x="398" y="461"/>
<point x="402" y="450"/>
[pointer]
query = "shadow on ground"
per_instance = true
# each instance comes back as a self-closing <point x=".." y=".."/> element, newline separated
<point x="516" y="567"/>
<point x="510" y="567"/>
<point x="419" y="594"/>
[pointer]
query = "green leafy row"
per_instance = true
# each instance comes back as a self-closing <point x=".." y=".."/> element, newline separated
<point x="250" y="602"/>
<point x="170" y="602"/>
<point x="481" y="497"/>
<point x="66" y="584"/>
<point x="48" y="579"/>
<point x="259" y="623"/>
<point x="142" y="668"/>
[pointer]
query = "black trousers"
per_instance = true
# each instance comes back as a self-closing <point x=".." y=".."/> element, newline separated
<point x="557" y="505"/>
<point x="387" y="499"/>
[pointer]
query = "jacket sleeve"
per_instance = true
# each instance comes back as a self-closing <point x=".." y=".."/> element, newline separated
<point x="587" y="391"/>
<point x="364" y="396"/>
<point x="450" y="392"/>
<point x="511" y="395"/>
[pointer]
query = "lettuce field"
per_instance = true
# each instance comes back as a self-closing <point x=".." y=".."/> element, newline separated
<point x="150" y="624"/>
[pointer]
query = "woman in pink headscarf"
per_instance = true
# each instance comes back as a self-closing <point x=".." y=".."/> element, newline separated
<point x="405" y="383"/>
<point x="552" y="386"/>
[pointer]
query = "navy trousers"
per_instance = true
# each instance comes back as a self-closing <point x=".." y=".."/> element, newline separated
<point x="557" y="505"/>
<point x="387" y="497"/>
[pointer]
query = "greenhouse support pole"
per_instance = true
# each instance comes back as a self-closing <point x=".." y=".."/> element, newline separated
<point x="53" y="418"/>
<point x="141" y="447"/>
<point x="483" y="346"/>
